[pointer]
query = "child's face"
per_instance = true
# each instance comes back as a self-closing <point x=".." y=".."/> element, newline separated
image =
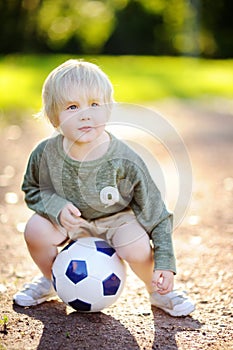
<point x="83" y="120"/>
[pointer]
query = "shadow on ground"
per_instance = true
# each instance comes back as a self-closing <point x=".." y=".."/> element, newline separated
<point x="87" y="330"/>
<point x="77" y="330"/>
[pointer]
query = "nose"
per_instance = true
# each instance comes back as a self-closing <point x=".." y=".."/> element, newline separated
<point x="84" y="117"/>
<point x="85" y="114"/>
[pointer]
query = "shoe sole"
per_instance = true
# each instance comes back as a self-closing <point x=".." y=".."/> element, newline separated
<point x="178" y="313"/>
<point x="25" y="303"/>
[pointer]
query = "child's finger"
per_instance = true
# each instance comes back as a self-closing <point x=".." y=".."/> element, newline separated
<point x="74" y="210"/>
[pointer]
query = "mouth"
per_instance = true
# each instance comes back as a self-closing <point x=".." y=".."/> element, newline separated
<point x="85" y="128"/>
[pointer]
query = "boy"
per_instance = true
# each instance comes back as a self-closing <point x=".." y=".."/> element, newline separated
<point x="84" y="181"/>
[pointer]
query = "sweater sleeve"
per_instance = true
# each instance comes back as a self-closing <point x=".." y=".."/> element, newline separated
<point x="40" y="195"/>
<point x="161" y="236"/>
<point x="152" y="214"/>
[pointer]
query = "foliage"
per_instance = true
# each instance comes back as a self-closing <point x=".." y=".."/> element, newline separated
<point x="3" y="324"/>
<point x="90" y="22"/>
<point x="154" y="27"/>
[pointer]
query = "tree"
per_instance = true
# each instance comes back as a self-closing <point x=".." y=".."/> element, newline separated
<point x="217" y="28"/>
<point x="65" y="22"/>
<point x="17" y="25"/>
<point x="135" y="31"/>
<point x="155" y="27"/>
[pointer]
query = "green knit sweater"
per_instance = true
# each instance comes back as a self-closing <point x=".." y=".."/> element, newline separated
<point x="99" y="188"/>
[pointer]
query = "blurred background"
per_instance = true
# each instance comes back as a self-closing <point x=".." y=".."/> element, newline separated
<point x="139" y="27"/>
<point x="151" y="49"/>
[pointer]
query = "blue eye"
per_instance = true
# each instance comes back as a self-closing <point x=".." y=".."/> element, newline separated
<point x="72" y="107"/>
<point x="95" y="104"/>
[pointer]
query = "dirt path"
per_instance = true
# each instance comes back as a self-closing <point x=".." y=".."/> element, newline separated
<point x="203" y="247"/>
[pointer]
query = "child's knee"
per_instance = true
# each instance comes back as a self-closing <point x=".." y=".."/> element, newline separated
<point x="137" y="252"/>
<point x="35" y="228"/>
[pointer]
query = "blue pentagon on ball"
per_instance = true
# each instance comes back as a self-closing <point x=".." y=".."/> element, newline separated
<point x="80" y="305"/>
<point x="76" y="271"/>
<point x="111" y="284"/>
<point x="104" y="247"/>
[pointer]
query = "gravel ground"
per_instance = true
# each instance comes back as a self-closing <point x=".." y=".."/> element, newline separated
<point x="203" y="244"/>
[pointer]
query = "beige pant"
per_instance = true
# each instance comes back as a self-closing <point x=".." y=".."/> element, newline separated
<point x="118" y="230"/>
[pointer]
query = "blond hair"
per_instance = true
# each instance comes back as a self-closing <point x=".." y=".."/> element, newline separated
<point x="73" y="76"/>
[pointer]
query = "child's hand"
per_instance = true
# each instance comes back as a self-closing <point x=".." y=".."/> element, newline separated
<point x="70" y="218"/>
<point x="163" y="281"/>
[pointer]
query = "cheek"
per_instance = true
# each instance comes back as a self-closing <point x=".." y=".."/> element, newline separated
<point x="66" y="121"/>
<point x="67" y="128"/>
<point x="63" y="125"/>
<point x="104" y="115"/>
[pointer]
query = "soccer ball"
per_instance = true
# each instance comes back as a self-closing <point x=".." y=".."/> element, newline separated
<point x="88" y="275"/>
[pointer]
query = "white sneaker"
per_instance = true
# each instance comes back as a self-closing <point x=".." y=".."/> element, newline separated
<point x="34" y="293"/>
<point x="174" y="303"/>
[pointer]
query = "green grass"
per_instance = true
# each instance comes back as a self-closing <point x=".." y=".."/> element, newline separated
<point x="136" y="79"/>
